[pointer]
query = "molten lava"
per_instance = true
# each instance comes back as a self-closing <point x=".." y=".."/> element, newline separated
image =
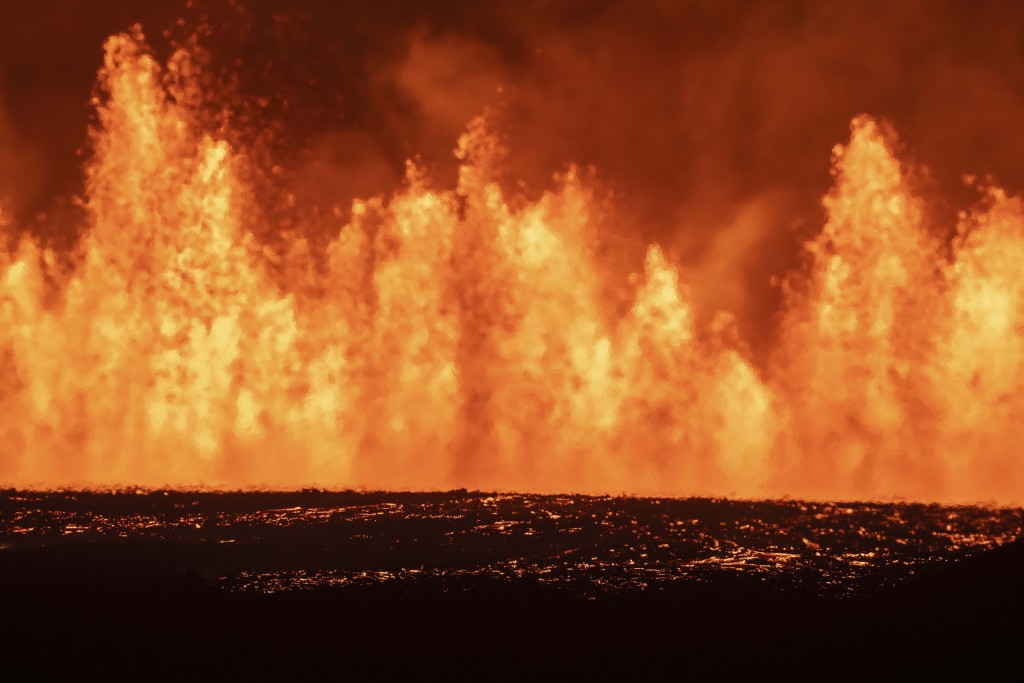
<point x="466" y="338"/>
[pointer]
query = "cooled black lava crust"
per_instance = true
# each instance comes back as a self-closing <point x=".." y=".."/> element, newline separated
<point x="153" y="582"/>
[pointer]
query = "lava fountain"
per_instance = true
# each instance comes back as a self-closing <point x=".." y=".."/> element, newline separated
<point x="465" y="337"/>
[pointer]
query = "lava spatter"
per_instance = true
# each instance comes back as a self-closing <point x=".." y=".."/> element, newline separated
<point x="465" y="337"/>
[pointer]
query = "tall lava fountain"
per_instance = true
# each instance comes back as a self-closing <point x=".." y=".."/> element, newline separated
<point x="466" y="337"/>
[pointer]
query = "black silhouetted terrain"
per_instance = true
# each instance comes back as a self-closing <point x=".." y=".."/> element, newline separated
<point x="129" y="585"/>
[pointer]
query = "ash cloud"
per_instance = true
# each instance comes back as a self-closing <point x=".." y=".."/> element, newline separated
<point x="20" y="168"/>
<point x="712" y="122"/>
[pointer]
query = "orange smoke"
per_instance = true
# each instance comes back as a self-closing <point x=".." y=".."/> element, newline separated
<point x="465" y="338"/>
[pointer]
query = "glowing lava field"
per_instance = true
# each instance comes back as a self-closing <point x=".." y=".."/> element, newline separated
<point x="571" y="580"/>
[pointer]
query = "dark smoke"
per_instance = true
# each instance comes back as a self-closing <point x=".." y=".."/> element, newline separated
<point x="711" y="121"/>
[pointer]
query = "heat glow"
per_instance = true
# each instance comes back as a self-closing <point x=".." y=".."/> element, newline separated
<point x="465" y="338"/>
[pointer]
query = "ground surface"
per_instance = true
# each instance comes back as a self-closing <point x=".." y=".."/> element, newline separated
<point x="163" y="582"/>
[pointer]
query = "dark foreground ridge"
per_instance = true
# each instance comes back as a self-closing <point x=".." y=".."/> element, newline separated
<point x="157" y="584"/>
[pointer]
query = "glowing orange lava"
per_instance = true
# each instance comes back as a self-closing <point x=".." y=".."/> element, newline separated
<point x="459" y="338"/>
